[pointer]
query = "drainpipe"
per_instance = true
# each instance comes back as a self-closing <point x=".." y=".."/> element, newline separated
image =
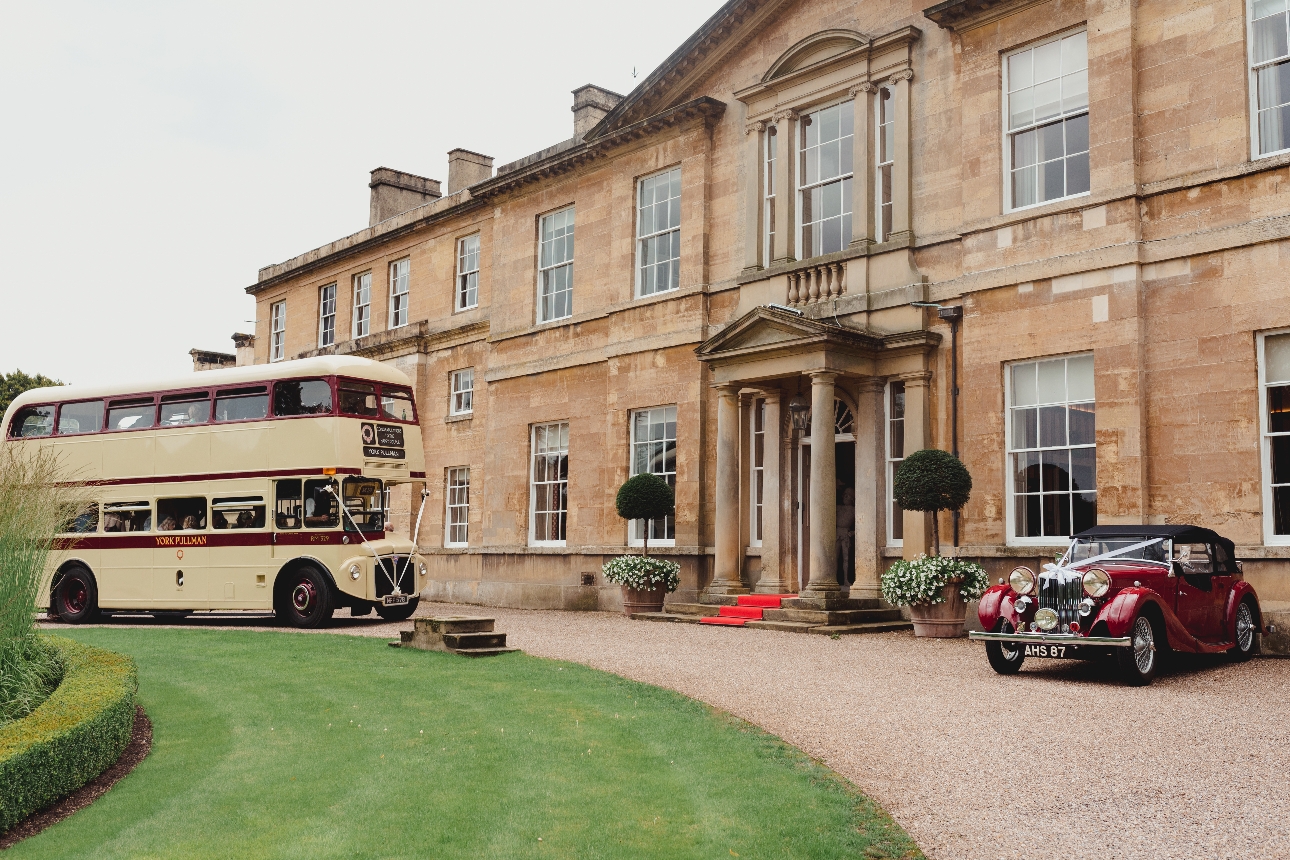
<point x="953" y="314"/>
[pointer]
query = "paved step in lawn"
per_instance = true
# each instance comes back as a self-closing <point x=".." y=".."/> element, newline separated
<point x="468" y="636"/>
<point x="781" y="612"/>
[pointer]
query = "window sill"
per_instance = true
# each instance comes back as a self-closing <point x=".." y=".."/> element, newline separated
<point x="1057" y="201"/>
<point x="653" y="545"/>
<point x="453" y="419"/>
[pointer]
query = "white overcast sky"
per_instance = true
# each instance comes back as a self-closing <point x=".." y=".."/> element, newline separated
<point x="154" y="155"/>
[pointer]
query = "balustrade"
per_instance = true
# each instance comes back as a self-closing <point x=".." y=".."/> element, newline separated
<point x="811" y="284"/>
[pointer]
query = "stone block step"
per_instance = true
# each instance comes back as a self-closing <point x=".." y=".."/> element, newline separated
<point x="724" y="621"/>
<point x="688" y="608"/>
<point x="833" y="604"/>
<point x="711" y="600"/>
<point x="665" y="616"/>
<point x="483" y="652"/>
<point x="782" y="626"/>
<point x="852" y="629"/>
<point x="460" y="624"/>
<point x="459" y="641"/>
<point x="833" y="617"/>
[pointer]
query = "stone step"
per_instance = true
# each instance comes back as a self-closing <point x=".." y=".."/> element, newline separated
<point x="665" y="616"/>
<point x="832" y="604"/>
<point x="688" y="608"/>
<point x="459" y="641"/>
<point x="459" y="624"/>
<point x="782" y="626"/>
<point x="832" y="617"/>
<point x="483" y="652"/>
<point x="711" y="600"/>
<point x="852" y="629"/>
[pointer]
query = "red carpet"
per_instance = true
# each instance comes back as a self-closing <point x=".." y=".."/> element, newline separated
<point x="749" y="608"/>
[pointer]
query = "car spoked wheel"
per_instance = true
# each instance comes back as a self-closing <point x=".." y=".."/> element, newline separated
<point x="306" y="599"/>
<point x="1139" y="661"/>
<point x="1005" y="659"/>
<point x="76" y="599"/>
<point x="1246" y="634"/>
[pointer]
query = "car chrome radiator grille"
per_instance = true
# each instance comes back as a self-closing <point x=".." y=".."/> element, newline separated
<point x="1061" y="592"/>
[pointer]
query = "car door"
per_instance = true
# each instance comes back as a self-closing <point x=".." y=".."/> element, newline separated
<point x="1224" y="580"/>
<point x="1195" y="606"/>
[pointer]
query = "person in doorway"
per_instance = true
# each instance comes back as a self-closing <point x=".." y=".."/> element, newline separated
<point x="846" y="532"/>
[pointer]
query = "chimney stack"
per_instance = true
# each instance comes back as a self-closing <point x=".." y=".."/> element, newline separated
<point x="395" y="192"/>
<point x="466" y="168"/>
<point x="590" y="105"/>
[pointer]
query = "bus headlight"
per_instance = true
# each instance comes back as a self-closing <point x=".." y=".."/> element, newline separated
<point x="422" y="569"/>
<point x="1022" y="580"/>
<point x="1096" y="582"/>
<point x="355" y="571"/>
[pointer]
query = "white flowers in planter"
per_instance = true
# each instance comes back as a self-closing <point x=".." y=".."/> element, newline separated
<point x="911" y="583"/>
<point x="643" y="573"/>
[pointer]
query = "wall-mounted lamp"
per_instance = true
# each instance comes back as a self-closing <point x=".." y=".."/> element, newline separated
<point x="799" y="411"/>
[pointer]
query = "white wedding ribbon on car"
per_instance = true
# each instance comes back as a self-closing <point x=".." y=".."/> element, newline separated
<point x="1115" y="553"/>
<point x="363" y="538"/>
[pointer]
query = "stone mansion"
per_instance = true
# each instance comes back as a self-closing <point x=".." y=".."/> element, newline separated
<point x="1048" y="235"/>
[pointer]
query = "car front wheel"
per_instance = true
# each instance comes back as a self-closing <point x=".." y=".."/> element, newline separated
<point x="1247" y="640"/>
<point x="1139" y="661"/>
<point x="1004" y="659"/>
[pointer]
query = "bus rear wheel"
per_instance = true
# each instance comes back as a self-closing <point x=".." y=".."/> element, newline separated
<point x="76" y="598"/>
<point x="305" y="600"/>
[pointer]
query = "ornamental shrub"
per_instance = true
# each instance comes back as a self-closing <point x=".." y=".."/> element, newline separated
<point x="932" y="480"/>
<point x="917" y="582"/>
<point x="643" y="573"/>
<point x="73" y="737"/>
<point x="645" y="497"/>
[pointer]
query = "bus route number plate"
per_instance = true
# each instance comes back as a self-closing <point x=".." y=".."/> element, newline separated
<point x="395" y="599"/>
<point x="383" y="442"/>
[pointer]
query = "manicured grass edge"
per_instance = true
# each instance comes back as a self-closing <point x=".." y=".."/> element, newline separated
<point x="75" y="735"/>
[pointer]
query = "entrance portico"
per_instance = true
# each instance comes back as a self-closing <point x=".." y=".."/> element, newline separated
<point x="784" y="364"/>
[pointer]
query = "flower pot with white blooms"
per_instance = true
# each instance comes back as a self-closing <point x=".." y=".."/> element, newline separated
<point x="645" y="581"/>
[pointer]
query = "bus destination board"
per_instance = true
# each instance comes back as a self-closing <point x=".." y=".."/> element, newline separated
<point x="383" y="441"/>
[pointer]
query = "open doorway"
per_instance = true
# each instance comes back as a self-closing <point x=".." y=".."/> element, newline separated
<point x="844" y="498"/>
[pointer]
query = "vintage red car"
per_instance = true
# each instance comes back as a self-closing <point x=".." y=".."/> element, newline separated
<point x="1131" y="591"/>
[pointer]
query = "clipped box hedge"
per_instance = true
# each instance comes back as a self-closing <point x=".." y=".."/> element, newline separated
<point x="75" y="735"/>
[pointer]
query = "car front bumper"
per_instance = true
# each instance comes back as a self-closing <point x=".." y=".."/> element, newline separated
<point x="1072" y="639"/>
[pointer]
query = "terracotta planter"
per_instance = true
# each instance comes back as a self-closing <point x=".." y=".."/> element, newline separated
<point x="941" y="620"/>
<point x="635" y="600"/>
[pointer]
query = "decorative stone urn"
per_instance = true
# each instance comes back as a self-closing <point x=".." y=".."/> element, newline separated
<point x="638" y="600"/>
<point x="940" y="620"/>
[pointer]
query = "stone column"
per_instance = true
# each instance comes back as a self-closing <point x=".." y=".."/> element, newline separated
<point x="754" y="161"/>
<point x="824" y="495"/>
<point x="725" y="579"/>
<point x="918" y="525"/>
<point x="785" y="187"/>
<point x="862" y="206"/>
<point x="870" y="455"/>
<point x="901" y="223"/>
<point x="772" y="575"/>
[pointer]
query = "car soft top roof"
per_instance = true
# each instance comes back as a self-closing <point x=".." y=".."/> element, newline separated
<point x="1181" y="533"/>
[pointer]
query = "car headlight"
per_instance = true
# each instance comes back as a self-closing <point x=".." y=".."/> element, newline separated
<point x="1046" y="619"/>
<point x="355" y="571"/>
<point x="422" y="569"/>
<point x="1022" y="606"/>
<point x="1096" y="582"/>
<point x="1022" y="580"/>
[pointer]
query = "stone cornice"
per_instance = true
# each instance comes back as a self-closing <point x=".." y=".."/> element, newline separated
<point x="406" y="340"/>
<point x="962" y="15"/>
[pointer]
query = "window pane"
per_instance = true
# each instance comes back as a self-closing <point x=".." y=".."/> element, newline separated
<point x="1083" y="469"/>
<point x="1057" y="515"/>
<point x="187" y="514"/>
<point x="1075" y="91"/>
<point x="364" y="505"/>
<point x="130" y="415"/>
<point x="1019" y="70"/>
<point x="1281" y="510"/>
<point x="358" y="398"/>
<point x="322" y="510"/>
<point x="1077" y="178"/>
<point x="85" y="522"/>
<point x="1079" y="377"/>
<point x="1025" y="147"/>
<point x="1269" y="38"/>
<point x="1026" y="472"/>
<point x="1074" y="52"/>
<point x="1052" y="381"/>
<point x="1052" y="180"/>
<point x="396" y="405"/>
<point x="1052" y="426"/>
<point x="1083" y="512"/>
<point x="1083" y="424"/>
<point x="1025" y="428"/>
<point x="1276" y="354"/>
<point x="1021" y="108"/>
<point x="1024" y="390"/>
<point x="247" y="404"/>
<point x="302" y="397"/>
<point x="1025" y="187"/>
<point x="1029" y="520"/>
<point x="127" y="517"/>
<point x="1048" y="100"/>
<point x="83" y="417"/>
<point x="175" y="410"/>
<point x="1056" y="471"/>
<point x="1280" y="459"/>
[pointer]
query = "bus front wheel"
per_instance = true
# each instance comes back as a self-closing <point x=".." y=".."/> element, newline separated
<point x="76" y="598"/>
<point x="306" y="600"/>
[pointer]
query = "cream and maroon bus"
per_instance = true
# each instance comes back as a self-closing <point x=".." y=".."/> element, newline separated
<point x="256" y="488"/>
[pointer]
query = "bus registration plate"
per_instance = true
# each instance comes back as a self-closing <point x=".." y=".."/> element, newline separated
<point x="395" y="599"/>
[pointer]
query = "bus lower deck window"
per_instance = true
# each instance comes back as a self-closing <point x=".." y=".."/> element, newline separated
<point x="322" y="511"/>
<point x="191" y="408"/>
<point x="32" y="421"/>
<point x="187" y="514"/>
<point x="127" y="517"/>
<point x="288" y="505"/>
<point x="242" y="512"/>
<point x="85" y="522"/>
<point x="364" y="503"/>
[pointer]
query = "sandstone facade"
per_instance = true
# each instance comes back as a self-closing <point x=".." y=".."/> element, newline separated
<point x="1166" y="270"/>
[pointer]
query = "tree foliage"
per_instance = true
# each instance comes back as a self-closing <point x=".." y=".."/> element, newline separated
<point x="932" y="480"/>
<point x="13" y="384"/>
<point x="645" y="497"/>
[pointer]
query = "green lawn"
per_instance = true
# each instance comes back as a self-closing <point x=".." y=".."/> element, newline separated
<point x="289" y="745"/>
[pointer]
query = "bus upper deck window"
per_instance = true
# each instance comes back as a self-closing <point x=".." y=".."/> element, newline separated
<point x="288" y="507"/>
<point x="302" y="397"/>
<point x="193" y="407"/>
<point x="134" y="414"/>
<point x="85" y="521"/>
<point x="127" y="517"/>
<point x="239" y="512"/>
<point x="322" y="511"/>
<point x="357" y="398"/>
<point x="396" y="404"/>
<point x="32" y="421"/>
<point x="83" y="417"/>
<point x="187" y="514"/>
<point x="242" y="404"/>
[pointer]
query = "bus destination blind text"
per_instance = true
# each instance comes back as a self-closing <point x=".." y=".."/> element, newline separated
<point x="383" y="441"/>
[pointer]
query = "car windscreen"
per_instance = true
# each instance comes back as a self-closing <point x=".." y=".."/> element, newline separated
<point x="1085" y="548"/>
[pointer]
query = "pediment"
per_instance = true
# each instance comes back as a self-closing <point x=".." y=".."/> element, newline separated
<point x="768" y="328"/>
<point x="816" y="48"/>
<point x="764" y="335"/>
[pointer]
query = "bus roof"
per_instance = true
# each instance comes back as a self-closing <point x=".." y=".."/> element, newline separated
<point x="339" y="365"/>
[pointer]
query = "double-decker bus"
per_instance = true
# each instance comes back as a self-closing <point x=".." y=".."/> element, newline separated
<point x="261" y="487"/>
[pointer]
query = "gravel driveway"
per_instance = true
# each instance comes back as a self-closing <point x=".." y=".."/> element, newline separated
<point x="1060" y="760"/>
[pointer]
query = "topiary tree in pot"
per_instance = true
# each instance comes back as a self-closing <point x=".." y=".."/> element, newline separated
<point x="934" y="588"/>
<point x="644" y="580"/>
